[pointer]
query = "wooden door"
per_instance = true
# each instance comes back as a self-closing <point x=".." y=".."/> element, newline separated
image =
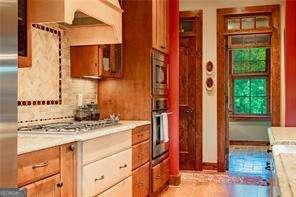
<point x="48" y="187"/>
<point x="190" y="104"/>
<point x="68" y="169"/>
<point x="84" y="61"/>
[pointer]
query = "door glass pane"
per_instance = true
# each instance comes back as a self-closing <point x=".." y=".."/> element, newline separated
<point x="187" y="26"/>
<point x="248" y="23"/>
<point x="241" y="87"/>
<point x="233" y="24"/>
<point x="262" y="21"/>
<point x="249" y="60"/>
<point x="258" y="87"/>
<point x="259" y="105"/>
<point x="241" y="105"/>
<point x="263" y="39"/>
<point x="236" y="40"/>
<point x="106" y="57"/>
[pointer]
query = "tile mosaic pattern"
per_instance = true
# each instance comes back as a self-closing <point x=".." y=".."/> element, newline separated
<point x="246" y="166"/>
<point x="249" y="161"/>
<point x="70" y="87"/>
<point x="33" y="82"/>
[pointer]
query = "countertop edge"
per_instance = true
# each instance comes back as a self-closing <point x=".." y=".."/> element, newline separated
<point x="58" y="140"/>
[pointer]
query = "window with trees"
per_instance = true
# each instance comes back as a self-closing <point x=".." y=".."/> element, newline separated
<point x="249" y="76"/>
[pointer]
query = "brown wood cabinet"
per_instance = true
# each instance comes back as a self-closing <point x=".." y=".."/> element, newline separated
<point x="49" y="187"/>
<point x="160" y="25"/>
<point x="160" y="176"/>
<point x="141" y="161"/>
<point x="141" y="181"/>
<point x="96" y="61"/>
<point x="49" y="172"/>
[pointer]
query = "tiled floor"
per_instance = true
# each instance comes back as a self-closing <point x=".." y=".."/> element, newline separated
<point x="191" y="188"/>
<point x="247" y="177"/>
<point x="248" y="161"/>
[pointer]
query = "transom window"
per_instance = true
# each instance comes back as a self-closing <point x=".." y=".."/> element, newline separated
<point x="249" y="79"/>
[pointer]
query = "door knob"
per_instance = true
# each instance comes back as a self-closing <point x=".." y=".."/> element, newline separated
<point x="189" y="111"/>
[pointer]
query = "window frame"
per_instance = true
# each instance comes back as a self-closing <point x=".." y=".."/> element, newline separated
<point x="260" y="74"/>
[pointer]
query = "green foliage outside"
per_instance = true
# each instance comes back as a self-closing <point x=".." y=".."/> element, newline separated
<point x="249" y="60"/>
<point x="250" y="94"/>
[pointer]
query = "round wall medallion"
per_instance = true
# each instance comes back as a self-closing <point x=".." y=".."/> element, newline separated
<point x="209" y="67"/>
<point x="209" y="84"/>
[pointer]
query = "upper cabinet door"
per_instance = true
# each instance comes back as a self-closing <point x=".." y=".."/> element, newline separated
<point x="96" y="61"/>
<point x="160" y="24"/>
<point x="85" y="61"/>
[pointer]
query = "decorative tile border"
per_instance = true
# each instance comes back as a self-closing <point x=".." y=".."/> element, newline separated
<point x="46" y="119"/>
<point x="48" y="102"/>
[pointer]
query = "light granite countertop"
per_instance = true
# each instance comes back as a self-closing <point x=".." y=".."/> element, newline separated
<point x="28" y="142"/>
<point x="285" y="167"/>
<point x="282" y="135"/>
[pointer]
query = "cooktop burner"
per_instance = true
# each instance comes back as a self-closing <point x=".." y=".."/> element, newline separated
<point x="71" y="127"/>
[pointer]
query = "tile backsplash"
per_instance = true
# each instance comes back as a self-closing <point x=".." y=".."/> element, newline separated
<point x="46" y="81"/>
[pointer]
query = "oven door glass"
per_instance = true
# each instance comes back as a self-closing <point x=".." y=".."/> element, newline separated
<point x="160" y="74"/>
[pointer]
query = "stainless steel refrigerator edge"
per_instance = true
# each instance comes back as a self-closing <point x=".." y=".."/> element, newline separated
<point x="8" y="93"/>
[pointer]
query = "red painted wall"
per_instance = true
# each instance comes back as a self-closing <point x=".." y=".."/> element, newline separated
<point x="290" y="62"/>
<point x="174" y="86"/>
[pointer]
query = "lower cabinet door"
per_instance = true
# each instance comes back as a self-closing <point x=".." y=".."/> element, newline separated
<point x="49" y="187"/>
<point x="122" y="189"/>
<point x="141" y="181"/>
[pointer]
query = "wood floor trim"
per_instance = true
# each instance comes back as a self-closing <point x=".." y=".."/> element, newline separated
<point x="249" y="143"/>
<point x="209" y="166"/>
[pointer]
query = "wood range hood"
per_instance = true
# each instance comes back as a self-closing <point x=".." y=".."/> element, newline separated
<point x="90" y="22"/>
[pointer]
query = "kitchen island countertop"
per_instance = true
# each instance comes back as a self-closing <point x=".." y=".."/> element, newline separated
<point x="285" y="167"/>
<point x="29" y="142"/>
<point x="282" y="135"/>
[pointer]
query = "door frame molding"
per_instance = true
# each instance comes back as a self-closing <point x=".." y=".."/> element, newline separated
<point x="222" y="115"/>
<point x="197" y="16"/>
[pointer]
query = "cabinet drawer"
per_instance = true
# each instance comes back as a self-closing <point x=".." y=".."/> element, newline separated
<point x="141" y="134"/>
<point x="100" y="175"/>
<point x="105" y="146"/>
<point x="38" y="165"/>
<point x="46" y="187"/>
<point x="160" y="175"/>
<point x="141" y="181"/>
<point x="141" y="154"/>
<point x="124" y="188"/>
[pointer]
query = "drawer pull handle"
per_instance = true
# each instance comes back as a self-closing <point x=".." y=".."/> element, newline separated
<point x="44" y="164"/>
<point x="99" y="179"/>
<point x="124" y="166"/>
<point x="140" y="184"/>
<point x="163" y="47"/>
<point x="60" y="184"/>
<point x="158" y="177"/>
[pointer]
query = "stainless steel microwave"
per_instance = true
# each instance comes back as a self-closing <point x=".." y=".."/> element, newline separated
<point x="160" y="73"/>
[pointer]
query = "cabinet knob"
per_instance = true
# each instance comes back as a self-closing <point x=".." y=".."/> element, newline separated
<point x="40" y="165"/>
<point x="124" y="166"/>
<point x="72" y="147"/>
<point x="96" y="64"/>
<point x="60" y="184"/>
<point x="99" y="179"/>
